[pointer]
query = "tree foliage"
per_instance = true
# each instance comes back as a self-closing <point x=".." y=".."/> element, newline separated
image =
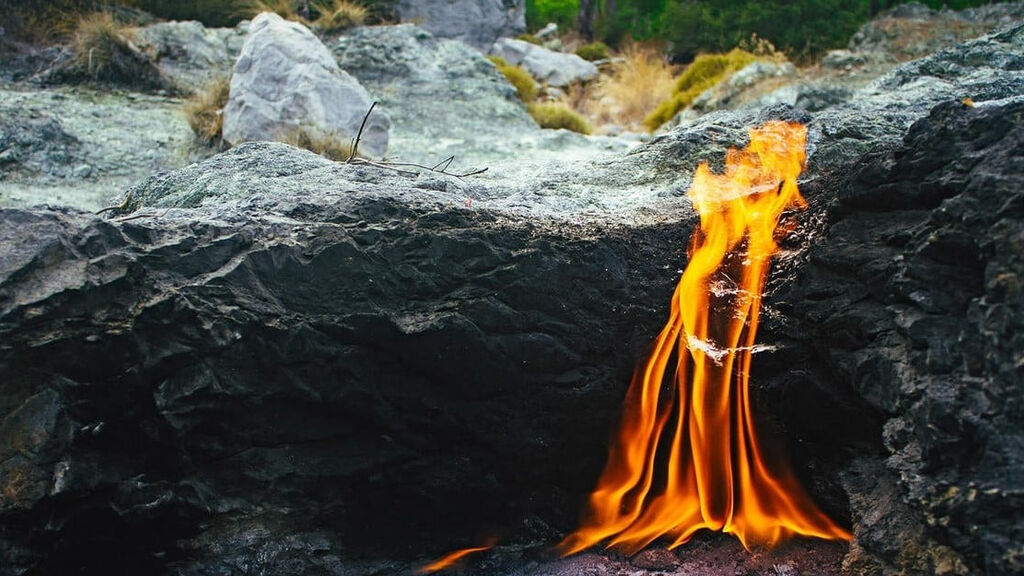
<point x="802" y="28"/>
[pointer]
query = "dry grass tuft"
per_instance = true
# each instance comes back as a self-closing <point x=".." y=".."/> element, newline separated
<point x="635" y="85"/>
<point x="526" y="87"/>
<point x="205" y="111"/>
<point x="497" y="60"/>
<point x="328" y="145"/>
<point x="104" y="50"/>
<point x="284" y="8"/>
<point x="44" y="25"/>
<point x="339" y="15"/>
<point x="532" y="39"/>
<point x="558" y="115"/>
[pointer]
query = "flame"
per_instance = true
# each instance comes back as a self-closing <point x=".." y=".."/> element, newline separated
<point x="687" y="456"/>
<point x="448" y="560"/>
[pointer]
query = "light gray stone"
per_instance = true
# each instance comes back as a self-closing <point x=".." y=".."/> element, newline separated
<point x="759" y="70"/>
<point x="191" y="54"/>
<point x="554" y="68"/>
<point x="286" y="79"/>
<point x="446" y="99"/>
<point x="476" y="22"/>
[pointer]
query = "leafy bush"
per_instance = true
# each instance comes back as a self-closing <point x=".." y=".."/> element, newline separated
<point x="526" y="87"/>
<point x="557" y="115"/>
<point x="705" y="71"/>
<point x="205" y="111"/>
<point x="594" y="51"/>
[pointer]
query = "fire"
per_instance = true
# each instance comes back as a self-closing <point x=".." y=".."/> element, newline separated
<point x="449" y="560"/>
<point x="687" y="456"/>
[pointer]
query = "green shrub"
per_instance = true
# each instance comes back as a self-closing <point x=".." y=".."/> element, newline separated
<point x="205" y="111"/>
<point x="530" y="38"/>
<point x="561" y="12"/>
<point x="594" y="51"/>
<point x="704" y="72"/>
<point x="557" y="115"/>
<point x="526" y="87"/>
<point x="498" y="61"/>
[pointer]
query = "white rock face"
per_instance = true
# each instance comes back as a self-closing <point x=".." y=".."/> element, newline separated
<point x="286" y="79"/>
<point x="555" y="68"/>
<point x="476" y="22"/>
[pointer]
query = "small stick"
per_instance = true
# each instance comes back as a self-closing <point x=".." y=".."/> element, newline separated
<point x="446" y="162"/>
<point x="359" y="135"/>
<point x="122" y="206"/>
<point x="139" y="215"/>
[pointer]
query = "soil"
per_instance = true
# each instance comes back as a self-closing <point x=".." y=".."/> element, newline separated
<point x="708" y="554"/>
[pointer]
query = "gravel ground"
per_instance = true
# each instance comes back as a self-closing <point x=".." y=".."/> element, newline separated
<point x="708" y="554"/>
<point x="82" y="147"/>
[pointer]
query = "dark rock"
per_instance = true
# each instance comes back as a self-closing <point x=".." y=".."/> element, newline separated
<point x="922" y="256"/>
<point x="36" y="144"/>
<point x="269" y="362"/>
<point x="295" y="378"/>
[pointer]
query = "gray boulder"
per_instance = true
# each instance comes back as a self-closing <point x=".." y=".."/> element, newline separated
<point x="554" y="68"/>
<point x="191" y="54"/>
<point x="286" y="79"/>
<point x="736" y="90"/>
<point x="446" y="99"/>
<point x="476" y="22"/>
<point x="279" y="364"/>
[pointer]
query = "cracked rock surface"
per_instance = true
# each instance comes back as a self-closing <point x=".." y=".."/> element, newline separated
<point x="269" y="362"/>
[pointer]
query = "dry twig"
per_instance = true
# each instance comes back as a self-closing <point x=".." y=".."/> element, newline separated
<point x="439" y="168"/>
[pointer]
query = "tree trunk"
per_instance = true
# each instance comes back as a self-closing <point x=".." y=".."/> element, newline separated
<point x="585" y="19"/>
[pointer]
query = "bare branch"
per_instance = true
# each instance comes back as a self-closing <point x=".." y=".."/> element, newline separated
<point x="439" y="168"/>
<point x="359" y="135"/>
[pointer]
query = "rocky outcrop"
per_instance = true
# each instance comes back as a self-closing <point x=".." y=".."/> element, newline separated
<point x="477" y="23"/>
<point x="468" y="336"/>
<point x="913" y="30"/>
<point x="919" y="317"/>
<point x="190" y="54"/>
<point x="445" y="99"/>
<point x="270" y="362"/>
<point x="906" y="32"/>
<point x="285" y="80"/>
<point x="36" y="144"/>
<point x="553" y="68"/>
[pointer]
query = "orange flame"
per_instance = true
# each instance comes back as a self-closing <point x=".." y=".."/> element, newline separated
<point x="687" y="456"/>
<point x="449" y="560"/>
